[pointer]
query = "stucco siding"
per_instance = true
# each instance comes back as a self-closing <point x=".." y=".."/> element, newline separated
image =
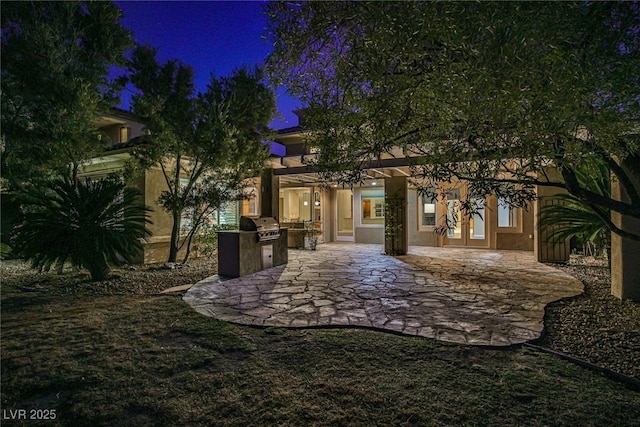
<point x="369" y="235"/>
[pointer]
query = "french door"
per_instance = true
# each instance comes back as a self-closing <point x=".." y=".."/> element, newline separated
<point x="465" y="230"/>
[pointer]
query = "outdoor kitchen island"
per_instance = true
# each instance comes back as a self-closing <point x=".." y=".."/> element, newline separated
<point x="259" y="243"/>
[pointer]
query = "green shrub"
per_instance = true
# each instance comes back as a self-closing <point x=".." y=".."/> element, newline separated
<point x="90" y="223"/>
<point x="567" y="216"/>
<point x="207" y="238"/>
<point x="5" y="251"/>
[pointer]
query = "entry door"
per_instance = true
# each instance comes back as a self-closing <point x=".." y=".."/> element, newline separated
<point x="466" y="231"/>
<point x="344" y="215"/>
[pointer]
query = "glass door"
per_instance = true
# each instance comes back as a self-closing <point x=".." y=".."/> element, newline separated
<point x="455" y="221"/>
<point x="464" y="230"/>
<point x="477" y="230"/>
<point x="344" y="215"/>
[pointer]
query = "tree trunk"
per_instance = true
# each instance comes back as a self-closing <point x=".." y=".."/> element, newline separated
<point x="99" y="269"/>
<point x="195" y="226"/>
<point x="187" y="251"/>
<point x="175" y="238"/>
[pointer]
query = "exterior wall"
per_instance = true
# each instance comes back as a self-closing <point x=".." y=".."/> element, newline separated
<point x="625" y="274"/>
<point x="522" y="237"/>
<point x="154" y="185"/>
<point x="365" y="233"/>
<point x="113" y="132"/>
<point x="516" y="238"/>
<point x="150" y="184"/>
<point x="293" y="141"/>
<point x="157" y="251"/>
<point x="419" y="236"/>
<point x="519" y="239"/>
<point x="369" y="235"/>
<point x="157" y="248"/>
<point x="296" y="149"/>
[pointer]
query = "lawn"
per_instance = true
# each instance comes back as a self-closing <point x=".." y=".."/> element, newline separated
<point x="100" y="357"/>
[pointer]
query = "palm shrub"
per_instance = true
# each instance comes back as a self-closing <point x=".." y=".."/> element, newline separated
<point x="5" y="251"/>
<point x="568" y="216"/>
<point x="90" y="223"/>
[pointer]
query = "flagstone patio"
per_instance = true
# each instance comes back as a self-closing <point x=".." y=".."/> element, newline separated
<point x="465" y="296"/>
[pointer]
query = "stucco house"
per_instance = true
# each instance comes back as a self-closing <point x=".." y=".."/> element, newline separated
<point x="357" y="214"/>
<point x="121" y="131"/>
<point x="292" y="193"/>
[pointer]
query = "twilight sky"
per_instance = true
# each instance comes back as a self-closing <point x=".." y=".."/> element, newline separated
<point x="211" y="36"/>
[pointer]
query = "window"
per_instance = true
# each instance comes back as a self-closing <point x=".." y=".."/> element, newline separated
<point x="372" y="206"/>
<point x="427" y="203"/>
<point x="124" y="134"/>
<point x="506" y="214"/>
<point x="250" y="205"/>
<point x="295" y="204"/>
<point x="378" y="209"/>
<point x="228" y="214"/>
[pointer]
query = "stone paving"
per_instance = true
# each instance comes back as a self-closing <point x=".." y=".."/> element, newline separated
<point x="465" y="296"/>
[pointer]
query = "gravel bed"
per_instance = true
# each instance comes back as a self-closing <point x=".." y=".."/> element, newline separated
<point x="594" y="326"/>
<point x="126" y="280"/>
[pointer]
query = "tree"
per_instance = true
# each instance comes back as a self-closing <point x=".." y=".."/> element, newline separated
<point x="493" y="94"/>
<point x="566" y="216"/>
<point x="56" y="58"/>
<point x="90" y="223"/>
<point x="206" y="144"/>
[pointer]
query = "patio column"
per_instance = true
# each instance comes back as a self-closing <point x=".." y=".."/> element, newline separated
<point x="269" y="193"/>
<point x="396" y="230"/>
<point x="625" y="274"/>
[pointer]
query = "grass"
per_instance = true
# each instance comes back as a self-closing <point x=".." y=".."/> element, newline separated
<point x="135" y="360"/>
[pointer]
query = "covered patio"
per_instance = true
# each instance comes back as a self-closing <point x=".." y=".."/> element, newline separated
<point x="468" y="296"/>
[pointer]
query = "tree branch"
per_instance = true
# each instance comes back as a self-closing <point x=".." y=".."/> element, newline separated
<point x="588" y="196"/>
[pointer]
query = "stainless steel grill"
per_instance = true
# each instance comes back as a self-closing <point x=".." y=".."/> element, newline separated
<point x="267" y="227"/>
